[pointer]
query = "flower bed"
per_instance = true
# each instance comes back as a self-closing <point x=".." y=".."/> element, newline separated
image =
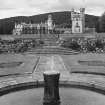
<point x="85" y="45"/>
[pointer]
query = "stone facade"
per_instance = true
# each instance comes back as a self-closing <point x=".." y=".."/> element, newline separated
<point x="78" y="25"/>
<point x="44" y="28"/>
<point x="78" y="21"/>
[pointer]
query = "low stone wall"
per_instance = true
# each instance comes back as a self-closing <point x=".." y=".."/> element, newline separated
<point x="36" y="84"/>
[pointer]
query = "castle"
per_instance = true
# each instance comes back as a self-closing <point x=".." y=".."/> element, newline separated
<point x="24" y="28"/>
<point x="78" y="25"/>
<point x="78" y="21"/>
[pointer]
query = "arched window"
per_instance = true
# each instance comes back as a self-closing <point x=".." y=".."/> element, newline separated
<point x="77" y="25"/>
<point x="76" y="19"/>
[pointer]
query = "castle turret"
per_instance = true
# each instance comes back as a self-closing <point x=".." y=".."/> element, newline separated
<point x="72" y="13"/>
<point x="82" y="12"/>
<point x="50" y="22"/>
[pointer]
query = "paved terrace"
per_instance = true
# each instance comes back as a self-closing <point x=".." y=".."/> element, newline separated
<point x="44" y="63"/>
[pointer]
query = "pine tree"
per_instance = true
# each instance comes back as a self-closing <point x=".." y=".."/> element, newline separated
<point x="102" y="23"/>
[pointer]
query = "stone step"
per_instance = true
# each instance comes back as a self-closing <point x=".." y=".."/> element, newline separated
<point x="52" y="48"/>
<point x="52" y="51"/>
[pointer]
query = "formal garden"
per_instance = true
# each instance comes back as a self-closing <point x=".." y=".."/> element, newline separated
<point x="85" y="45"/>
<point x="18" y="45"/>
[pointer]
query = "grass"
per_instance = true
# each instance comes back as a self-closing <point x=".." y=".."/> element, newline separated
<point x="27" y="65"/>
<point x="71" y="62"/>
<point x="74" y="66"/>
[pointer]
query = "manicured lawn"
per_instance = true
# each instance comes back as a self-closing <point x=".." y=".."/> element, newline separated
<point x="74" y="66"/>
<point x="20" y="64"/>
<point x="17" y="63"/>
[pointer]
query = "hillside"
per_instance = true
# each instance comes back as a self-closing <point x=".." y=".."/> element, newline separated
<point x="62" y="19"/>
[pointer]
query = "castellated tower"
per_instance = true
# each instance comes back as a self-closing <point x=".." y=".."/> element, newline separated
<point x="50" y="22"/>
<point x="82" y="12"/>
<point x="78" y="21"/>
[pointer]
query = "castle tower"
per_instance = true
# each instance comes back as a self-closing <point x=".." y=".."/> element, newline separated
<point x="82" y="13"/>
<point x="78" y="21"/>
<point x="50" y="22"/>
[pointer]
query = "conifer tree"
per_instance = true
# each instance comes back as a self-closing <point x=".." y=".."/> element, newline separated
<point x="102" y="23"/>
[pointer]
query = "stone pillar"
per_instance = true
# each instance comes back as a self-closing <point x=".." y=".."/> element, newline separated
<point x="51" y="88"/>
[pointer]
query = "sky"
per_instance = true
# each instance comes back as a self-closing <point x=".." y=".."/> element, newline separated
<point x="11" y="8"/>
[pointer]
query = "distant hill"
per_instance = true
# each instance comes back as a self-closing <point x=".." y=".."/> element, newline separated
<point x="61" y="19"/>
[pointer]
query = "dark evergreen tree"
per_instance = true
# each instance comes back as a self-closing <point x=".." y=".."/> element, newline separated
<point x="98" y="26"/>
<point x="102" y="23"/>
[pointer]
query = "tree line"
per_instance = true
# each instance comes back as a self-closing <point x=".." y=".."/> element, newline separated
<point x="101" y="23"/>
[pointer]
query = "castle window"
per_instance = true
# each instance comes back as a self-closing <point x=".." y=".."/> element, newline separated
<point x="76" y="19"/>
<point x="77" y="25"/>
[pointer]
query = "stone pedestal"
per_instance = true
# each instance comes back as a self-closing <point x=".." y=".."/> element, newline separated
<point x="51" y="88"/>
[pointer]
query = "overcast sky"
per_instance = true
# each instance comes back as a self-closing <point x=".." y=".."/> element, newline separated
<point x="10" y="8"/>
